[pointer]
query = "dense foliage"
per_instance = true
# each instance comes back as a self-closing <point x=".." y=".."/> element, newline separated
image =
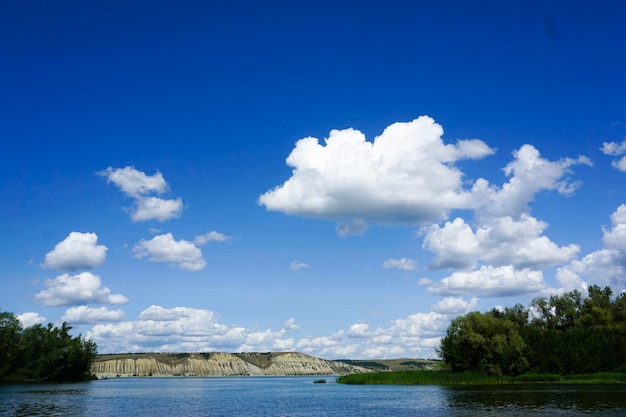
<point x="565" y="334"/>
<point x="42" y="353"/>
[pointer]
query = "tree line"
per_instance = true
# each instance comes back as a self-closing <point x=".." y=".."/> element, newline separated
<point x="566" y="334"/>
<point x="42" y="353"/>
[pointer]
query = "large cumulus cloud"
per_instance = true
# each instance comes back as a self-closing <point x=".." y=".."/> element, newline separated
<point x="406" y="175"/>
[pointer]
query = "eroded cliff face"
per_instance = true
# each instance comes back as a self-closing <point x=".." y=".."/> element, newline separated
<point x="218" y="364"/>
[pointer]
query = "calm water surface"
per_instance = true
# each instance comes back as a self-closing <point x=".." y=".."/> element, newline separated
<point x="299" y="396"/>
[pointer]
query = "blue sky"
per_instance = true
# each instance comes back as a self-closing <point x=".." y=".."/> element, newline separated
<point x="336" y="178"/>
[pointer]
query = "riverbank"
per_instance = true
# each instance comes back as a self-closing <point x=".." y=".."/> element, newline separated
<point x="432" y="377"/>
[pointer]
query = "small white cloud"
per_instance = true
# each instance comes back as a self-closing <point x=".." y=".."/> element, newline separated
<point x="76" y="251"/>
<point x="416" y="327"/>
<point x="359" y="330"/>
<point x="455" y="305"/>
<point x="290" y="325"/>
<point x="405" y="176"/>
<point x="614" y="148"/>
<point x="161" y="314"/>
<point x="134" y="183"/>
<point x="297" y="265"/>
<point x="181" y="254"/>
<point x="212" y="236"/>
<point x="403" y="264"/>
<point x="620" y="164"/>
<point x="30" y="319"/>
<point x="155" y="208"/>
<point x="140" y="186"/>
<point x="83" y="288"/>
<point x="490" y="281"/>
<point x="85" y="315"/>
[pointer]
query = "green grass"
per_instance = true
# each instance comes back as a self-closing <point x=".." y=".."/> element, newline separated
<point x="422" y="377"/>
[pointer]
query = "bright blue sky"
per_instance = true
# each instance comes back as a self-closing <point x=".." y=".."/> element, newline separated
<point x="158" y="197"/>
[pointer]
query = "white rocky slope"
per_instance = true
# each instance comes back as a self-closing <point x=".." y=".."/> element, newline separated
<point x="218" y="364"/>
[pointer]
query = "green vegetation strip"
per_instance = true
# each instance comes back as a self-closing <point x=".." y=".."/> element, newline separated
<point x="471" y="378"/>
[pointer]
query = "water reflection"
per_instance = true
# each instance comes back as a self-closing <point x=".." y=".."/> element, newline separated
<point x="538" y="399"/>
<point x="35" y="400"/>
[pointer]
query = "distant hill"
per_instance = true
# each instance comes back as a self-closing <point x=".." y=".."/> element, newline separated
<point x="379" y="365"/>
<point x="219" y="364"/>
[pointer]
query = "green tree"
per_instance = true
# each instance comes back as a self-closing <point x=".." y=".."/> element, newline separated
<point x="10" y="335"/>
<point x="43" y="353"/>
<point x="485" y="342"/>
<point x="568" y="334"/>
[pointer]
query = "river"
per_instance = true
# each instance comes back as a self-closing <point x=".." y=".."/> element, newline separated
<point x="300" y="396"/>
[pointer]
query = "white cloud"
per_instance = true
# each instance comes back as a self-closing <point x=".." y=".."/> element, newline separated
<point x="140" y="186"/>
<point x="30" y="319"/>
<point x="135" y="183"/>
<point x="454" y="245"/>
<point x="290" y="324"/>
<point x="404" y="264"/>
<point x="84" y="314"/>
<point x="616" y="149"/>
<point x="415" y="327"/>
<point x="266" y="340"/>
<point x="455" y="305"/>
<point x="529" y="173"/>
<point x="620" y="164"/>
<point x="184" y="329"/>
<point x="615" y="238"/>
<point x="406" y="175"/>
<point x="504" y="241"/>
<point x="212" y="236"/>
<point x="602" y="267"/>
<point x="489" y="281"/>
<point x="163" y="248"/>
<point x="155" y="208"/>
<point x="359" y="330"/>
<point x="297" y="265"/>
<point x="416" y="335"/>
<point x="606" y="266"/>
<point x="76" y="251"/>
<point x="83" y="288"/>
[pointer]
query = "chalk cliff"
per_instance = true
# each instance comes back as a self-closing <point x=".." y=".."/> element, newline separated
<point x="218" y="364"/>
